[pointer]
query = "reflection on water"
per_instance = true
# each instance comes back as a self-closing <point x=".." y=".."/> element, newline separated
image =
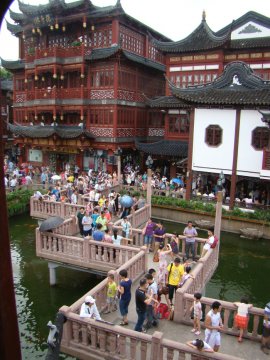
<point x="244" y="266"/>
<point x="37" y="302"/>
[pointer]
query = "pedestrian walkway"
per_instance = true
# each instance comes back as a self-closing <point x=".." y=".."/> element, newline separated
<point x="248" y="350"/>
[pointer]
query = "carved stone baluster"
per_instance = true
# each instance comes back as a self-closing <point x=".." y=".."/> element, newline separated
<point x="85" y="339"/>
<point x="92" y="252"/>
<point x="112" y="340"/>
<point x="102" y="340"/>
<point x="49" y="243"/>
<point x="169" y="354"/>
<point x="117" y="256"/>
<point x="93" y="332"/>
<point x="255" y="326"/>
<point x="99" y="258"/>
<point x="122" y="347"/>
<point x="181" y="355"/>
<point x="75" y="331"/>
<point x="133" y="344"/>
<point x="226" y="319"/>
<point x="143" y="350"/>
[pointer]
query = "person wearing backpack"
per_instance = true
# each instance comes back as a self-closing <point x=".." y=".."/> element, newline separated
<point x="209" y="242"/>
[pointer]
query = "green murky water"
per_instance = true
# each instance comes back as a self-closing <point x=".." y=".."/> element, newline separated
<point x="244" y="269"/>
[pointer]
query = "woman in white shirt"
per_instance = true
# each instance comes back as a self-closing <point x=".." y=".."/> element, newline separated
<point x="116" y="238"/>
<point x="200" y="345"/>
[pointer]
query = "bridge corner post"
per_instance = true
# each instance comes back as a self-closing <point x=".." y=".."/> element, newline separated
<point x="218" y="214"/>
<point x="179" y="306"/>
<point x="52" y="272"/>
<point x="86" y="249"/>
<point x="156" y="345"/>
<point x="67" y="328"/>
<point x="62" y="209"/>
<point x="148" y="189"/>
<point x="144" y="248"/>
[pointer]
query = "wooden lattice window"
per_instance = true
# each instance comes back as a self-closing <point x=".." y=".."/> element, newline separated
<point x="213" y="135"/>
<point x="260" y="136"/>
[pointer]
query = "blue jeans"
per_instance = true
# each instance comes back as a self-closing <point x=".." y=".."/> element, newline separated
<point x="151" y="319"/>
<point x="140" y="321"/>
<point x="190" y="246"/>
<point x="123" y="306"/>
<point x="148" y="239"/>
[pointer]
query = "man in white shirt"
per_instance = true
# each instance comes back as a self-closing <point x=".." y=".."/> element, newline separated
<point x="151" y="319"/>
<point x="89" y="309"/>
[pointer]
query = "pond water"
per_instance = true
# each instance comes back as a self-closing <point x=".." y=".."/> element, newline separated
<point x="243" y="269"/>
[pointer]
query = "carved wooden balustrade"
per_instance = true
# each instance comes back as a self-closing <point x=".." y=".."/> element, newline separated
<point x="81" y="252"/>
<point x="228" y="312"/>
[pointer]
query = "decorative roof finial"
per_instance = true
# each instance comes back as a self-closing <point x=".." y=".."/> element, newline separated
<point x="203" y="15"/>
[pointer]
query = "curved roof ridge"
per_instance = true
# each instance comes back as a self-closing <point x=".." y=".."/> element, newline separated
<point x="16" y="16"/>
<point x="14" y="28"/>
<point x="201" y="38"/>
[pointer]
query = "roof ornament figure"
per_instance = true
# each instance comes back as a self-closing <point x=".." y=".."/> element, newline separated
<point x="203" y="15"/>
<point x="235" y="81"/>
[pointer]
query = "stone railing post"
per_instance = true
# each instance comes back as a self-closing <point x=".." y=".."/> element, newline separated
<point x="179" y="305"/>
<point x="144" y="248"/>
<point x="86" y="250"/>
<point x="148" y="189"/>
<point x="67" y="329"/>
<point x="156" y="345"/>
<point x="218" y="214"/>
<point x="62" y="210"/>
<point x="38" y="241"/>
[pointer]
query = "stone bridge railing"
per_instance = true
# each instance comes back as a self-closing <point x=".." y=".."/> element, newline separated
<point x="137" y="218"/>
<point x="185" y="301"/>
<point x="81" y="252"/>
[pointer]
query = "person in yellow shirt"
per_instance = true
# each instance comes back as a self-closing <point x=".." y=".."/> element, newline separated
<point x="111" y="294"/>
<point x="102" y="220"/>
<point x="175" y="271"/>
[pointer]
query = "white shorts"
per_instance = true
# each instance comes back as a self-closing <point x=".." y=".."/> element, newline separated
<point x="212" y="337"/>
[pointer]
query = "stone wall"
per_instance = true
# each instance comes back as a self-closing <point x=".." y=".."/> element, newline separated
<point x="230" y="224"/>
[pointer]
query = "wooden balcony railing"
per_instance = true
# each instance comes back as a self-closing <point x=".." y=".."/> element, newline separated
<point x="57" y="51"/>
<point x="54" y="93"/>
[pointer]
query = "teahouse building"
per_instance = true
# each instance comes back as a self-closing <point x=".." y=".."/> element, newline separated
<point x="94" y="78"/>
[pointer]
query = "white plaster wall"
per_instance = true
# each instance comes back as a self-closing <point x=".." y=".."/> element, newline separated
<point x="249" y="160"/>
<point x="213" y="159"/>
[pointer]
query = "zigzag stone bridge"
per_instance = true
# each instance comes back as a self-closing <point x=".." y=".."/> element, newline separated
<point x="90" y="339"/>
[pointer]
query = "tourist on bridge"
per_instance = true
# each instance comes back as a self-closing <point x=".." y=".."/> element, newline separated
<point x="111" y="295"/>
<point x="148" y="232"/>
<point x="126" y="227"/>
<point x="208" y="242"/>
<point x="213" y="325"/>
<point x="241" y="318"/>
<point x="200" y="345"/>
<point x="102" y="220"/>
<point x="197" y="313"/>
<point x="79" y="217"/>
<point x="151" y="319"/>
<point x="190" y="233"/>
<point x="142" y="300"/>
<point x="266" y="330"/>
<point x="174" y="276"/>
<point x="87" y="224"/>
<point x="159" y="237"/>
<point x="124" y="289"/>
<point x="89" y="309"/>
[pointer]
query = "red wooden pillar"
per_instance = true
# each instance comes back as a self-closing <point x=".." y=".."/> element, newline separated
<point x="190" y="154"/>
<point x="115" y="31"/>
<point x="9" y="332"/>
<point x="109" y="165"/>
<point x="235" y="158"/>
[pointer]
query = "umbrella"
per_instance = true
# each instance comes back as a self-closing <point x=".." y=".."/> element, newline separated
<point x="126" y="201"/>
<point x="177" y="181"/>
<point x="51" y="223"/>
<point x="56" y="177"/>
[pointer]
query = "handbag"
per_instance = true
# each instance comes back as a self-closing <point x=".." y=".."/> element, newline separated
<point x="156" y="258"/>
